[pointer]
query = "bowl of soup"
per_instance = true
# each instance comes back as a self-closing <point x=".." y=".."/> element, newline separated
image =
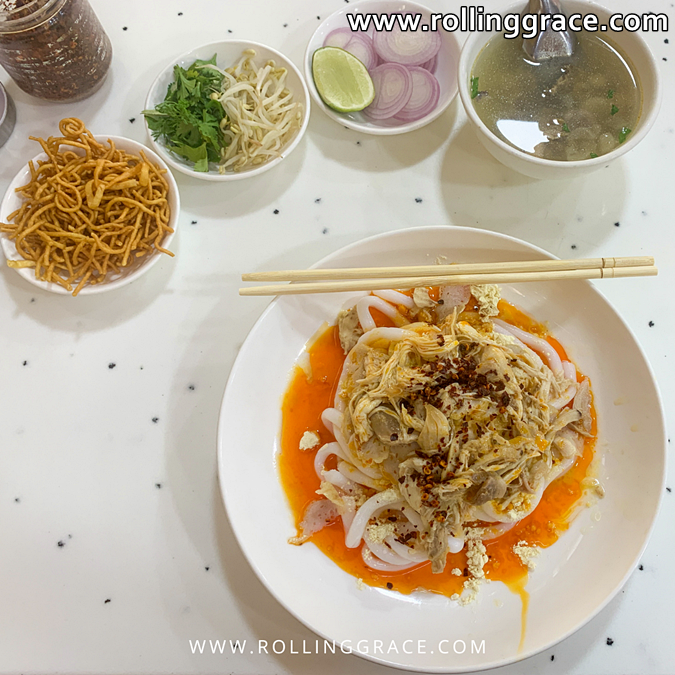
<point x="566" y="116"/>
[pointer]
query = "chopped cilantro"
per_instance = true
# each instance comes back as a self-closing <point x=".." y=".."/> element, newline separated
<point x="623" y="134"/>
<point x="610" y="93"/>
<point x="614" y="109"/>
<point x="474" y="87"/>
<point x="565" y="128"/>
<point x="593" y="155"/>
<point x="188" y="119"/>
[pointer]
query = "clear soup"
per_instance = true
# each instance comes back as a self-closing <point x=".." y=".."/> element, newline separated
<point x="564" y="109"/>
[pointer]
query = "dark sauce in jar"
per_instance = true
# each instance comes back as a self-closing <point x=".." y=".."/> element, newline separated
<point x="54" y="49"/>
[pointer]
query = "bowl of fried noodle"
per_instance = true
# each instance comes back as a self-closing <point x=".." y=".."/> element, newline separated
<point x="89" y="214"/>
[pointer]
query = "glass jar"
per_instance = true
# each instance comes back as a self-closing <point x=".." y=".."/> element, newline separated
<point x="54" y="49"/>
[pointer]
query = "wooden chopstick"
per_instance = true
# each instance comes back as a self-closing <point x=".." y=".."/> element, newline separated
<point x="445" y="270"/>
<point x="405" y="283"/>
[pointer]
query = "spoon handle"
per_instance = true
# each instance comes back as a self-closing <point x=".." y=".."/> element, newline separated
<point x="545" y="7"/>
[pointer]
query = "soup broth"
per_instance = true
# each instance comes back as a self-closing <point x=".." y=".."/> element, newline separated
<point x="565" y="109"/>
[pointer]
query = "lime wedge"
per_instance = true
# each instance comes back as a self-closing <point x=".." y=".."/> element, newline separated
<point x="342" y="80"/>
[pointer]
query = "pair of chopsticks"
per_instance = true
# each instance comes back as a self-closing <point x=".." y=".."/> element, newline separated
<point x="404" y="278"/>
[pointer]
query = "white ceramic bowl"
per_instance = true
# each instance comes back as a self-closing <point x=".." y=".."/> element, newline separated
<point x="137" y="268"/>
<point x="446" y="70"/>
<point x="575" y="578"/>
<point x="640" y="56"/>
<point x="228" y="51"/>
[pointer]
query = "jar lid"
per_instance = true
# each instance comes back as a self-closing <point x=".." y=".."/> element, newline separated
<point x="7" y="116"/>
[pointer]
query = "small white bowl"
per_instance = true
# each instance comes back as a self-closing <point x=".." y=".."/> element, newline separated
<point x="446" y="70"/>
<point x="640" y="57"/>
<point x="228" y="51"/>
<point x="12" y="201"/>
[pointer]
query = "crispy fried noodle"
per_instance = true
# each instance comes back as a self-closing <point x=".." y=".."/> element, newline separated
<point x="88" y="210"/>
<point x="447" y="428"/>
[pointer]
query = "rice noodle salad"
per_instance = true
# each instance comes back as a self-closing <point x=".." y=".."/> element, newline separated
<point x="448" y="427"/>
<point x="261" y="115"/>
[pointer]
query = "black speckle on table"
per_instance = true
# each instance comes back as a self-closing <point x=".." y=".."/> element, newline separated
<point x="644" y="213"/>
<point x="70" y="536"/>
<point x="132" y="120"/>
<point x="32" y="299"/>
<point x="141" y="367"/>
<point x="641" y="567"/>
<point x="155" y="420"/>
<point x="111" y="365"/>
<point x="17" y="499"/>
<point x="228" y="30"/>
<point x="667" y="41"/>
<point x="552" y="657"/>
<point x="651" y="324"/>
<point x="617" y="224"/>
<point x="207" y="568"/>
<point x="573" y="246"/>
<point x="317" y="200"/>
<point x="25" y="363"/>
<point x="324" y="231"/>
<point x="61" y="543"/>
<point x="580" y="219"/>
<point x="125" y="28"/>
<point x="358" y="142"/>
<point x="390" y="585"/>
<point x="610" y="642"/>
<point x="276" y="212"/>
<point x="158" y="486"/>
<point x="418" y="200"/>
<point x="664" y="58"/>
<point x="667" y="490"/>
<point x="318" y="18"/>
<point x="285" y="25"/>
<point x="106" y="601"/>
<point x="191" y="387"/>
<point x="193" y="222"/>
<point x="180" y="13"/>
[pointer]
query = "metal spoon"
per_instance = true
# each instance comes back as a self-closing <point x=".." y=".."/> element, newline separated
<point x="548" y="44"/>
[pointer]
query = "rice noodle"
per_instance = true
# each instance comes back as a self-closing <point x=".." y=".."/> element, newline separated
<point x="538" y="344"/>
<point x="517" y="437"/>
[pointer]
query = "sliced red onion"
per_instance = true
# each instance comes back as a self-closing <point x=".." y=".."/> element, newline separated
<point x="393" y="88"/>
<point x="431" y="65"/>
<point x="361" y="46"/>
<point x="340" y="37"/>
<point x="357" y="44"/>
<point x="409" y="48"/>
<point x="424" y="98"/>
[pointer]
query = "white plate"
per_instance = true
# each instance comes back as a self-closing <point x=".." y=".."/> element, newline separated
<point x="575" y="578"/>
<point x="446" y="70"/>
<point x="228" y="51"/>
<point x="12" y="201"/>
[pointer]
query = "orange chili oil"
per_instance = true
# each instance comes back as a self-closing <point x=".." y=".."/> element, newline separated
<point x="303" y="404"/>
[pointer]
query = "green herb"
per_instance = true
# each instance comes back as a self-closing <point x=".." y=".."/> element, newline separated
<point x="474" y="87"/>
<point x="593" y="155"/>
<point x="189" y="120"/>
<point x="610" y="93"/>
<point x="565" y="128"/>
<point x="623" y="134"/>
<point x="614" y="109"/>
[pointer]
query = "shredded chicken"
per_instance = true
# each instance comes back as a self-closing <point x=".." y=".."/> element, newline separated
<point x="462" y="422"/>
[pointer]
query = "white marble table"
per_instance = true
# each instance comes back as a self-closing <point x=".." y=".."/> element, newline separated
<point x="116" y="550"/>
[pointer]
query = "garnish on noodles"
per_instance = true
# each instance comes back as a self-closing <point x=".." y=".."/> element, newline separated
<point x="448" y="427"/>
<point x="89" y="210"/>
